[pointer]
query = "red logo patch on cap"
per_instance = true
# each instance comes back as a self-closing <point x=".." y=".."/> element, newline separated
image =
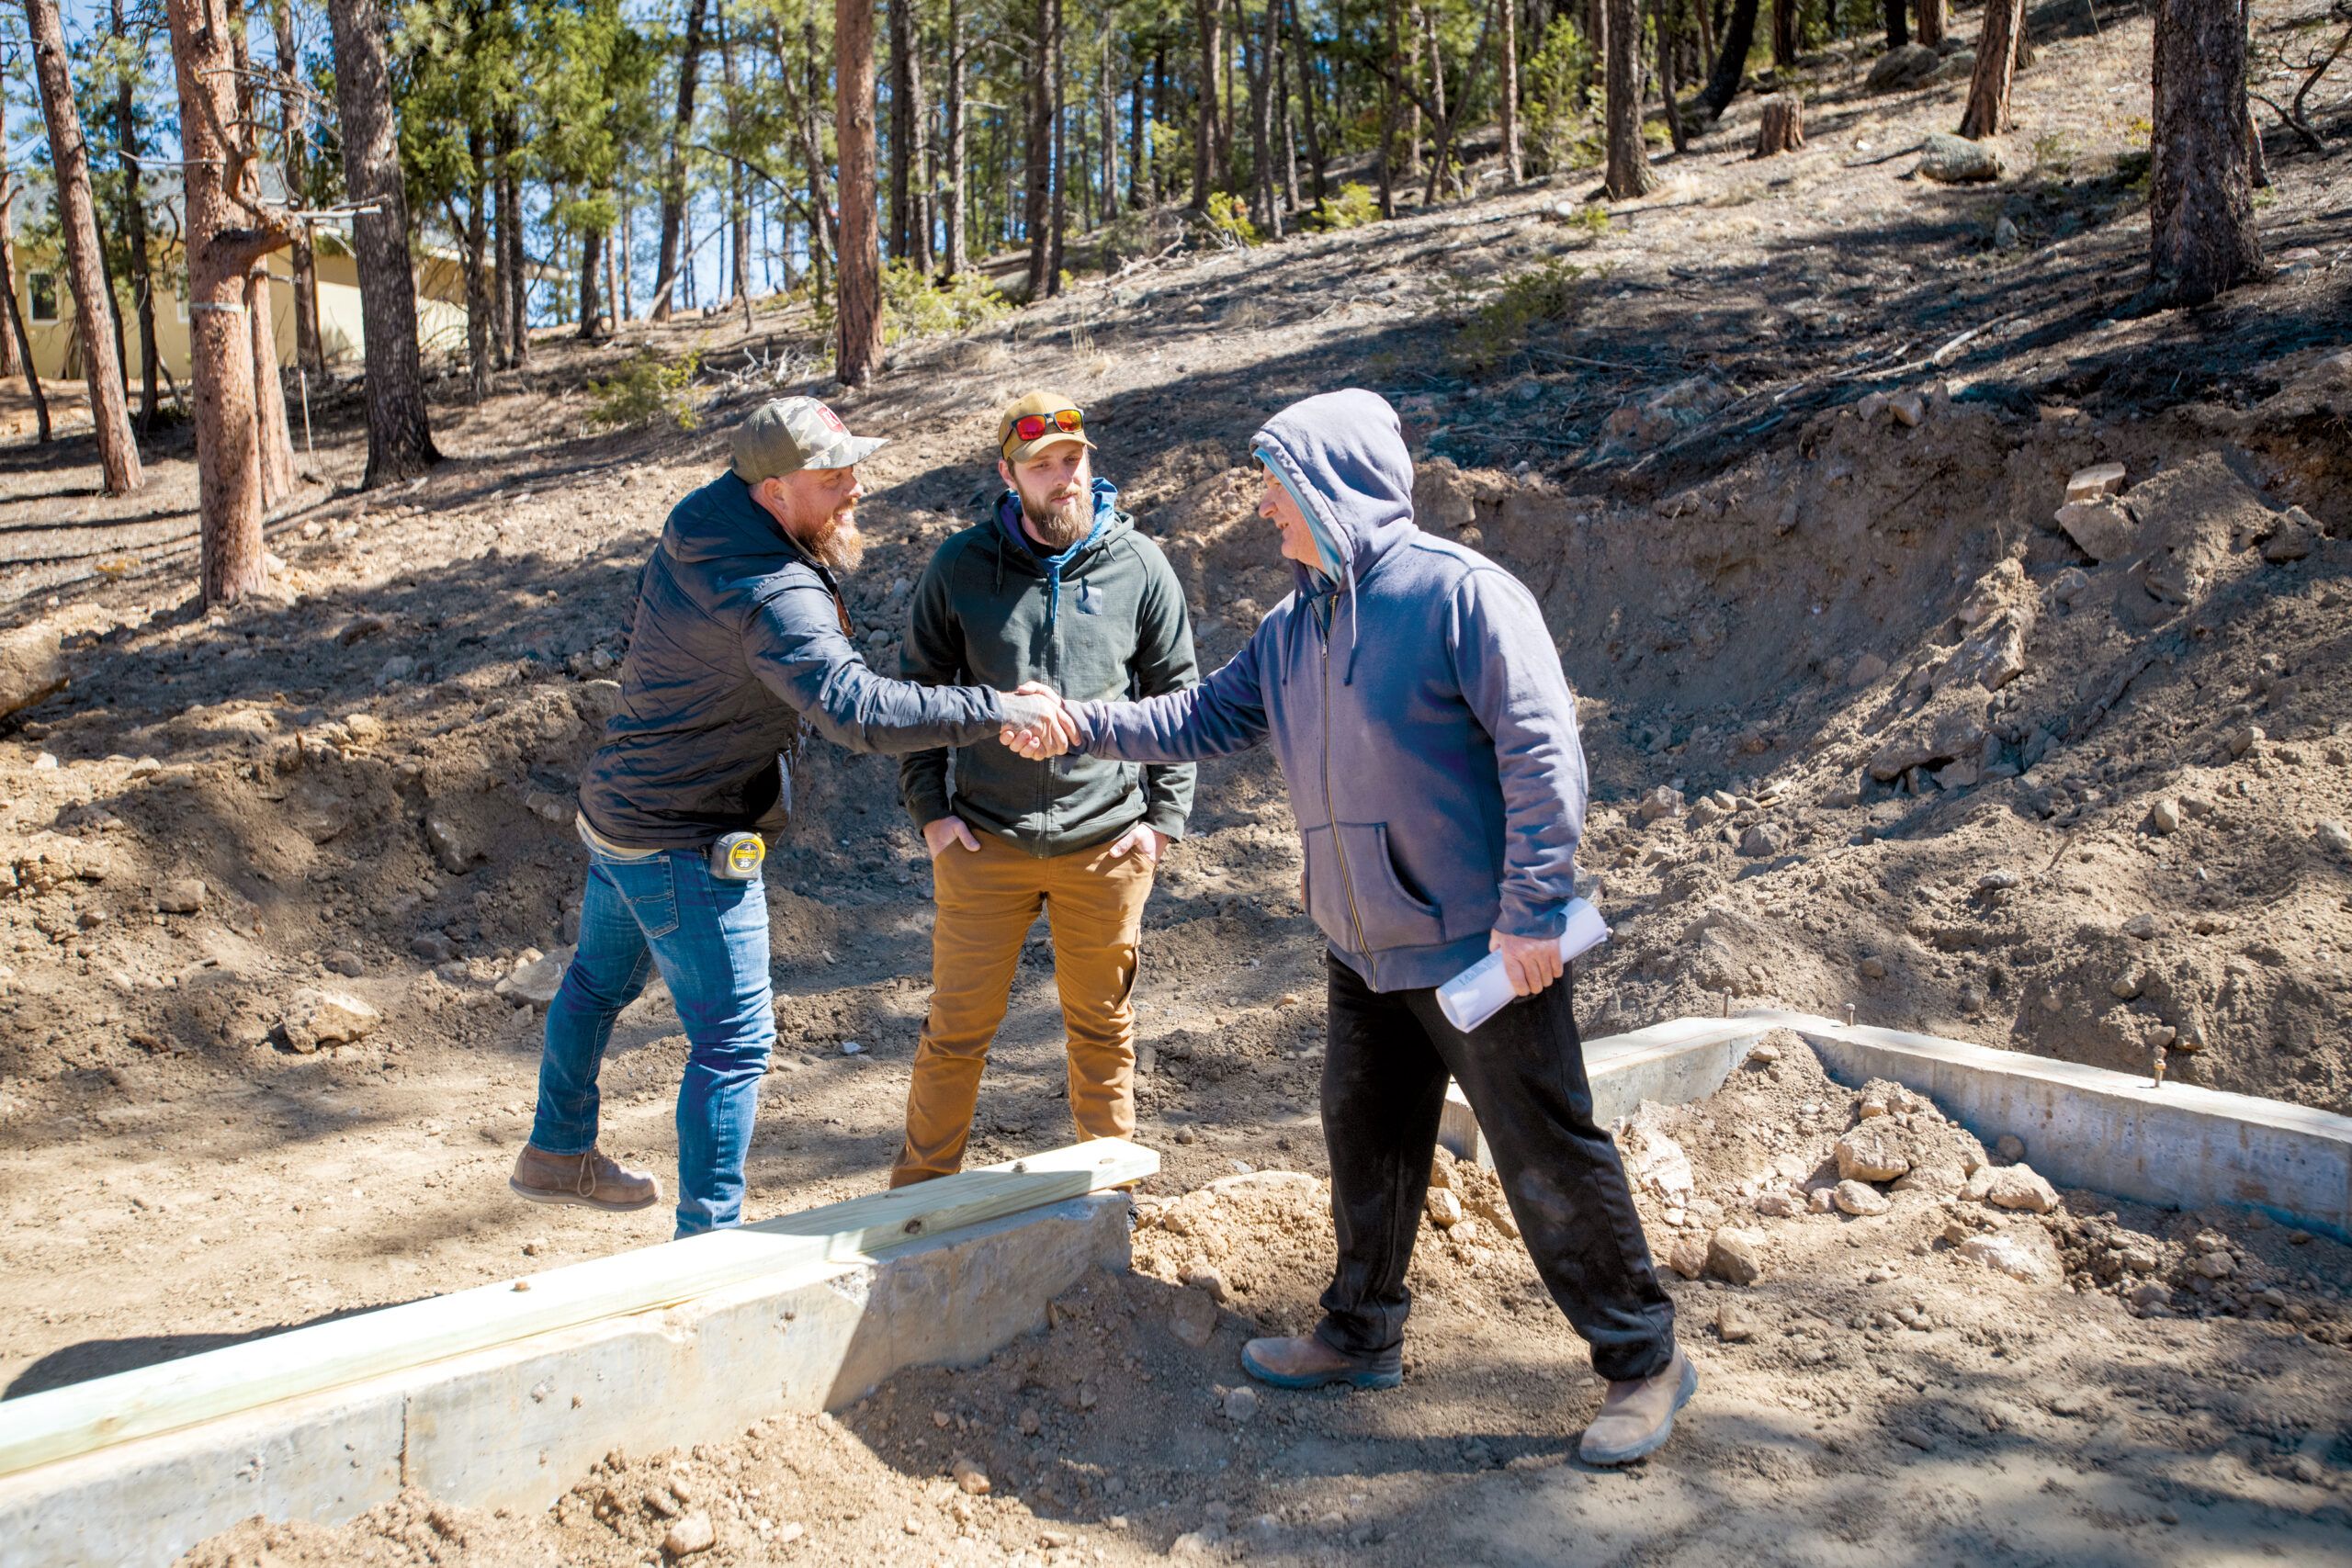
<point x="832" y="419"/>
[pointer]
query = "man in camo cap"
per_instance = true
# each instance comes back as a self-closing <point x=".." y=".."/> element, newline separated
<point x="739" y="644"/>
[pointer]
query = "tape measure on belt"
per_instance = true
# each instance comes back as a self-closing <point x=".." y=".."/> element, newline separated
<point x="737" y="857"/>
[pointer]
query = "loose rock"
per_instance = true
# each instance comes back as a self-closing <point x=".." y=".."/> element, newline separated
<point x="184" y="896"/>
<point x="690" y="1535"/>
<point x="1736" y="1256"/>
<point x="1872" y="1152"/>
<point x="1860" y="1200"/>
<point x="537" y="978"/>
<point x="316" y="1018"/>
<point x="2021" y="1187"/>
<point x="1192" y="1317"/>
<point x="1953" y="161"/>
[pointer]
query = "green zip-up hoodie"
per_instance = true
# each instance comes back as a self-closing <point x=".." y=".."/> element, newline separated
<point x="1107" y="622"/>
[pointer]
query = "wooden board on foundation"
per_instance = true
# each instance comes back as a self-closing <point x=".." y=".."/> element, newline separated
<point x="76" y="1419"/>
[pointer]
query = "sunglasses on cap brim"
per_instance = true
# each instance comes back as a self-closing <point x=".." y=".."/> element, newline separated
<point x="1030" y="427"/>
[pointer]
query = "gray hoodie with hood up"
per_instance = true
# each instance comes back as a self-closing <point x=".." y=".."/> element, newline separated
<point x="1419" y="710"/>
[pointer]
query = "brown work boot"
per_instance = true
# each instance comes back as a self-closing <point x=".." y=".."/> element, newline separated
<point x="590" y="1180"/>
<point x="1638" y="1416"/>
<point x="1307" y="1362"/>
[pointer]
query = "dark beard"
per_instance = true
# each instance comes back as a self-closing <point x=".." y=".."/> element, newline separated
<point x="840" y="546"/>
<point x="1061" y="529"/>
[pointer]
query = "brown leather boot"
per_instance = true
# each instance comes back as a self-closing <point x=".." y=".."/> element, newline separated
<point x="1307" y="1362"/>
<point x="590" y="1180"/>
<point x="1637" y="1417"/>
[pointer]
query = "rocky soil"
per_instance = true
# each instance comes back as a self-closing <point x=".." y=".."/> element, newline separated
<point x="1897" y="694"/>
<point x="1956" y="1362"/>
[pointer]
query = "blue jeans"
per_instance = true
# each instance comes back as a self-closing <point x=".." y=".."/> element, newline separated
<point x="710" y="939"/>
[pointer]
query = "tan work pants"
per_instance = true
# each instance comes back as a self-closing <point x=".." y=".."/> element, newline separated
<point x="988" y="899"/>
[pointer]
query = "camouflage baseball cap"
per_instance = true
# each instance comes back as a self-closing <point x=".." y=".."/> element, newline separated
<point x="792" y="434"/>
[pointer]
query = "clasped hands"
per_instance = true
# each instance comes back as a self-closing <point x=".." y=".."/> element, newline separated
<point x="1036" y="725"/>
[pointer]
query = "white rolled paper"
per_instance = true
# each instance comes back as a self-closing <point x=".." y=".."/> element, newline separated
<point x="1475" y="995"/>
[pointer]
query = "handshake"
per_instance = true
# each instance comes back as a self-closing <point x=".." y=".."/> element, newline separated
<point x="1037" y="724"/>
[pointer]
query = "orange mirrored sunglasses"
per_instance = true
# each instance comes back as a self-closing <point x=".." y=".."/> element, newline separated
<point x="1030" y="427"/>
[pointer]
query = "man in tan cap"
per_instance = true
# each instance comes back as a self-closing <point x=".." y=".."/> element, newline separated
<point x="1052" y="586"/>
<point x="739" y="647"/>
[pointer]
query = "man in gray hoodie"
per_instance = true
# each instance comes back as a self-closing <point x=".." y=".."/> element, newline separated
<point x="1428" y="741"/>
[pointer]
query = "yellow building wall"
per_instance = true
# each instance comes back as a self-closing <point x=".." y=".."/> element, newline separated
<point x="440" y="311"/>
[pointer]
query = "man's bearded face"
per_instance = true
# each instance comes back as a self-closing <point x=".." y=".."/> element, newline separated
<point x="1056" y="489"/>
<point x="824" y="507"/>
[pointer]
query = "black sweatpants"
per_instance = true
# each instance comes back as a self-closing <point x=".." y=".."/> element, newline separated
<point x="1522" y="1071"/>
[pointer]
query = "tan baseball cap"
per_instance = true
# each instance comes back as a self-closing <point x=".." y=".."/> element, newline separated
<point x="792" y="434"/>
<point x="1046" y="405"/>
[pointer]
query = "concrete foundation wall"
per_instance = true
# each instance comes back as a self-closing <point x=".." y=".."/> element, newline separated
<point x="2176" y="1144"/>
<point x="1682" y="1059"/>
<point x="516" y="1424"/>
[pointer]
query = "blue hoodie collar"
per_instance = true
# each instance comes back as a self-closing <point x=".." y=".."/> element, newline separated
<point x="1007" y="517"/>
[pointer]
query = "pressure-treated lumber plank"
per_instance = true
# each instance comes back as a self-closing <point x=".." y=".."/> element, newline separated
<point x="86" y="1415"/>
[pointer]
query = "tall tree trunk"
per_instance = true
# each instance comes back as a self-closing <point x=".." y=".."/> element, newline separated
<point x="951" y="218"/>
<point x="1731" y="64"/>
<point x="1669" y="84"/>
<point x="860" y="313"/>
<point x="1507" y="94"/>
<point x="1784" y="34"/>
<point x="1393" y="28"/>
<point x="399" y="432"/>
<point x="591" y="263"/>
<point x="134" y="231"/>
<point x="1060" y="160"/>
<point x="1285" y="138"/>
<point x="825" y="239"/>
<point x="479" y="315"/>
<point x="1258" y="69"/>
<point x="624" y="246"/>
<point x="1415" y="21"/>
<point x="611" y="309"/>
<point x="2201" y="200"/>
<point x="919" y="246"/>
<point x="1996" y="59"/>
<point x="1309" y="90"/>
<point x="294" y="128"/>
<point x="222" y="248"/>
<point x="1036" y="214"/>
<point x="78" y="218"/>
<point x="1136" y="154"/>
<point x="1629" y="160"/>
<point x="18" y="348"/>
<point x="739" y="206"/>
<point x="1898" y="26"/>
<point x="1107" y="103"/>
<point x="1931" y="21"/>
<point x="8" y="340"/>
<point x="1152" y="187"/>
<point x="1208" y="19"/>
<point x="514" y="286"/>
<point x="673" y="177"/>
<point x="273" y="432"/>
<point x="901" y="236"/>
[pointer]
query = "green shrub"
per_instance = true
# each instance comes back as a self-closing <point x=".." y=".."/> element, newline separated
<point x="1499" y="330"/>
<point x="1558" y="85"/>
<point x="645" y="391"/>
<point x="1355" y="207"/>
<point x="913" y="306"/>
<point x="1228" y="219"/>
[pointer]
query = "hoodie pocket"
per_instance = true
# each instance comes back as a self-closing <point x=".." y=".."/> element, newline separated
<point x="1355" y="896"/>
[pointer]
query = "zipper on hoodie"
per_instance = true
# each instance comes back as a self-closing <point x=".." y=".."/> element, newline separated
<point x="1331" y="812"/>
